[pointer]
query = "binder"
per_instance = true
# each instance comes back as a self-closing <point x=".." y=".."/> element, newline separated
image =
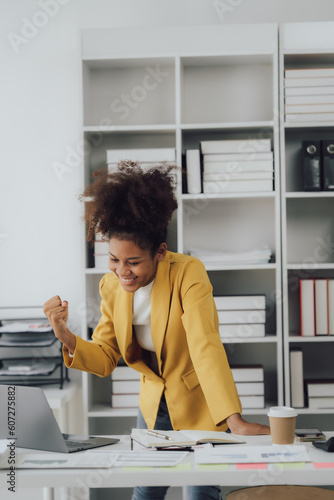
<point x="328" y="165"/>
<point x="311" y="165"/>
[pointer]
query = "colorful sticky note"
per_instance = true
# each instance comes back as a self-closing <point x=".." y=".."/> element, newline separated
<point x="251" y="466"/>
<point x="323" y="465"/>
<point x="181" y="467"/>
<point x="290" y="465"/>
<point x="212" y="466"/>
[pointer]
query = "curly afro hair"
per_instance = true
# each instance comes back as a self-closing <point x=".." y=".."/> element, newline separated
<point x="132" y="203"/>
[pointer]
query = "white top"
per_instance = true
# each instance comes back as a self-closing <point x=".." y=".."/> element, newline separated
<point x="141" y="316"/>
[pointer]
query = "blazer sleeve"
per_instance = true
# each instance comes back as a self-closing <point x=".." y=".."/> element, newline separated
<point x="200" y="321"/>
<point x="100" y="356"/>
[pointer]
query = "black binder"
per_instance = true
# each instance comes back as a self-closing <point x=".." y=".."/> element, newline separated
<point x="311" y="165"/>
<point x="328" y="165"/>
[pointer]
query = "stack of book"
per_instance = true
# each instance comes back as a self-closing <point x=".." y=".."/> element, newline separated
<point x="125" y="387"/>
<point x="241" y="316"/>
<point x="309" y="95"/>
<point x="237" y="166"/>
<point x="146" y="157"/>
<point x="320" y="393"/>
<point x="316" y="306"/>
<point x="101" y="251"/>
<point x="249" y="381"/>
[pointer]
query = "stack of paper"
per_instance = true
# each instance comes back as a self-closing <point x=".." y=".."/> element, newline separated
<point x="249" y="381"/>
<point x="216" y="258"/>
<point x="125" y="387"/>
<point x="241" y="316"/>
<point x="237" y="166"/>
<point x="309" y="94"/>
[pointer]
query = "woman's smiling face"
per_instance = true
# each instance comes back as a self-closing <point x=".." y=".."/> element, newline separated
<point x="133" y="266"/>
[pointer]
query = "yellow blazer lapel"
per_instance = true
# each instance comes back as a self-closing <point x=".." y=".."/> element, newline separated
<point x="160" y="303"/>
<point x="123" y="319"/>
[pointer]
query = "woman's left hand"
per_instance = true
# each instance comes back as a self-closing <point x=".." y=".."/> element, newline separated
<point x="238" y="425"/>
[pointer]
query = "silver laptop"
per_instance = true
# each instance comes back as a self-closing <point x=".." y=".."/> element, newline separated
<point x="33" y="424"/>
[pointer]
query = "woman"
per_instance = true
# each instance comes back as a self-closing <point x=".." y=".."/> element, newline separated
<point x="158" y="313"/>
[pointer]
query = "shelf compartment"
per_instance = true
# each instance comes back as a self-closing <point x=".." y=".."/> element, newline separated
<point x="293" y="289"/>
<point x="97" y="144"/>
<point x="240" y="88"/>
<point x="138" y="91"/>
<point x="251" y="282"/>
<point x="294" y="159"/>
<point x="241" y="224"/>
<point x="310" y="230"/>
<point x="241" y="354"/>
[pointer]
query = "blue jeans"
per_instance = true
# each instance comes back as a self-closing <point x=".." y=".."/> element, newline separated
<point x="159" y="492"/>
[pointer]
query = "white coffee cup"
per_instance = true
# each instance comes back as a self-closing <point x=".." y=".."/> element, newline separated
<point x="282" y="424"/>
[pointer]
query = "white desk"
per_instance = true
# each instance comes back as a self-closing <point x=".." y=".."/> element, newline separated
<point x="187" y="473"/>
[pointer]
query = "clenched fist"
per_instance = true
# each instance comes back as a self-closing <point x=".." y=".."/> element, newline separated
<point x="56" y="311"/>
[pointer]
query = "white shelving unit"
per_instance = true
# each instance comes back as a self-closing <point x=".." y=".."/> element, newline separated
<point x="207" y="83"/>
<point x="307" y="217"/>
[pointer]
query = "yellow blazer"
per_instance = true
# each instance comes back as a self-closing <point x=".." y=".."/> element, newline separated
<point x="194" y="372"/>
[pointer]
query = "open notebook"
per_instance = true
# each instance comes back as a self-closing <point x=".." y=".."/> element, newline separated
<point x="164" y="439"/>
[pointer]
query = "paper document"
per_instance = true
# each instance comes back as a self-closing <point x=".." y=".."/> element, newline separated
<point x="252" y="454"/>
<point x="64" y="461"/>
<point x="143" y="458"/>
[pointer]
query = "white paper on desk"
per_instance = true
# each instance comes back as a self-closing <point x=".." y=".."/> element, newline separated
<point x="252" y="454"/>
<point x="148" y="458"/>
<point x="65" y="461"/>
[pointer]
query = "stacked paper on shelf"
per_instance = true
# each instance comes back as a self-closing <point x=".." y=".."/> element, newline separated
<point x="249" y="381"/>
<point x="216" y="258"/>
<point x="320" y="393"/>
<point x="316" y="306"/>
<point x="125" y="387"/>
<point x="309" y="94"/>
<point x="101" y="251"/>
<point x="235" y="166"/>
<point x="241" y="316"/>
<point x="26" y="333"/>
<point x="146" y="157"/>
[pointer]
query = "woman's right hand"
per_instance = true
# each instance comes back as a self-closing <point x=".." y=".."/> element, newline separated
<point x="56" y="311"/>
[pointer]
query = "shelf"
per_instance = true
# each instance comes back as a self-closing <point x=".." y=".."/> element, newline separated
<point x="245" y="267"/>
<point x="315" y="411"/>
<point x="203" y="196"/>
<point x="103" y="411"/>
<point x="250" y="340"/>
<point x="316" y="338"/>
<point x="310" y="194"/>
<point x="308" y="125"/>
<point x="227" y="125"/>
<point x="310" y="267"/>
<point x="100" y="410"/>
<point x="128" y="128"/>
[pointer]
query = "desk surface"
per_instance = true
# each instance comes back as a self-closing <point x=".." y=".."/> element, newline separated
<point x="318" y="472"/>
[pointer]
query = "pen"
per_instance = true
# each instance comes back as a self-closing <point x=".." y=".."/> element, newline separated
<point x="158" y="435"/>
